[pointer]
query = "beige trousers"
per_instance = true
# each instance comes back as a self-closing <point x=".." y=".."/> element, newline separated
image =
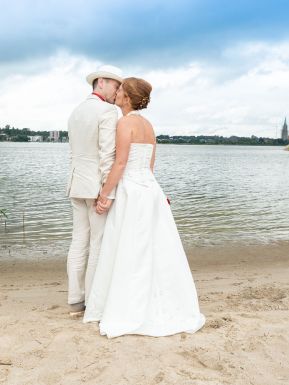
<point x="84" y="250"/>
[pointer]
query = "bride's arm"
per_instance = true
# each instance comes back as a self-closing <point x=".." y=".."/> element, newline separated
<point x="153" y="158"/>
<point x="123" y="141"/>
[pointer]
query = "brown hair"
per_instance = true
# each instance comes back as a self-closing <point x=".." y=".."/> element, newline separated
<point x="138" y="91"/>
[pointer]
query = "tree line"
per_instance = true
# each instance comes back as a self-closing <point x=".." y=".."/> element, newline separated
<point x="215" y="139"/>
<point x="22" y="135"/>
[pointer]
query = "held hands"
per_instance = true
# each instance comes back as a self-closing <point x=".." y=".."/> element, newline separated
<point x="102" y="204"/>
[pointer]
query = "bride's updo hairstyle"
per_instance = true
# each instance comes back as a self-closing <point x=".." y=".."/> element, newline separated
<point x="138" y="91"/>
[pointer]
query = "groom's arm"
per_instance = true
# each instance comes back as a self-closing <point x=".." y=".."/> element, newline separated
<point x="123" y="141"/>
<point x="106" y="143"/>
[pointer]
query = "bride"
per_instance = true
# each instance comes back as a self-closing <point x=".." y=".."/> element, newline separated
<point x="143" y="283"/>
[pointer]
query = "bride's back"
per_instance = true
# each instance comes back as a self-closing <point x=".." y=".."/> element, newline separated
<point x="141" y="130"/>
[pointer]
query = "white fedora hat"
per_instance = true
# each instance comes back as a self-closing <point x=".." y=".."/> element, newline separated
<point x="105" y="71"/>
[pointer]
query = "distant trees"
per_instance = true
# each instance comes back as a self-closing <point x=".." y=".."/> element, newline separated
<point x="13" y="134"/>
<point x="232" y="140"/>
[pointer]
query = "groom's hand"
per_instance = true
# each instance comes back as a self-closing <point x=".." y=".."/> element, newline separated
<point x="102" y="204"/>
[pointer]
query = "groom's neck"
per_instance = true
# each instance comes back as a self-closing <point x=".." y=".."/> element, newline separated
<point x="99" y="91"/>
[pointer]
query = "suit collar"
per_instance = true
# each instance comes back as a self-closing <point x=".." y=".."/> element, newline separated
<point x="90" y="96"/>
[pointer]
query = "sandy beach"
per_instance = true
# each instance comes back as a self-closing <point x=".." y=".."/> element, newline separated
<point x="243" y="292"/>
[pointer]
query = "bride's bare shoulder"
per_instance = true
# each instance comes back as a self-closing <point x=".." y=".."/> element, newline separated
<point x="124" y="120"/>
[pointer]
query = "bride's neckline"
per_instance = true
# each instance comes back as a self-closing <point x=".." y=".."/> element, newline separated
<point x="133" y="112"/>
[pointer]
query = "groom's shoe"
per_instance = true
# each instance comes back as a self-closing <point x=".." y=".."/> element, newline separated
<point x="77" y="310"/>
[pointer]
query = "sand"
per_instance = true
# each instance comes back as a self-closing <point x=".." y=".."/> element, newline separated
<point x="243" y="292"/>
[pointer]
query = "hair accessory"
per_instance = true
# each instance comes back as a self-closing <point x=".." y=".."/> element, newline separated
<point x="144" y="102"/>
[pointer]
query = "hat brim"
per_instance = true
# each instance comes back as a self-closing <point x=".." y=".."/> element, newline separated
<point x="102" y="74"/>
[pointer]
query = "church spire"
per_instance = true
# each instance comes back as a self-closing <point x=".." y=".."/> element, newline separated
<point x="284" y="132"/>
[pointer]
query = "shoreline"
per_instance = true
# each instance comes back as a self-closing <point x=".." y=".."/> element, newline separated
<point x="243" y="292"/>
<point x="56" y="250"/>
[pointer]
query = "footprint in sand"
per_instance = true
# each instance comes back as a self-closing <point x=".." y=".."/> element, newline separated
<point x="52" y="284"/>
<point x="218" y="323"/>
<point x="266" y="292"/>
<point x="159" y="378"/>
<point x="53" y="307"/>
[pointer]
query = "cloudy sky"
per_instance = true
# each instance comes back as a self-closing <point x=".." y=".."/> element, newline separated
<point x="218" y="67"/>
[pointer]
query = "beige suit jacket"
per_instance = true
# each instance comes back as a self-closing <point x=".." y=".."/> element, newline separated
<point x="91" y="131"/>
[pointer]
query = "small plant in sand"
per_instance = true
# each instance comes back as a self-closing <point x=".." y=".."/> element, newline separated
<point x="3" y="213"/>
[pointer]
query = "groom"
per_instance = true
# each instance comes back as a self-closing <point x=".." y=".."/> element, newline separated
<point x="91" y="130"/>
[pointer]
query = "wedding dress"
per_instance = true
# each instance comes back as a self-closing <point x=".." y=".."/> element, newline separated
<point x="143" y="283"/>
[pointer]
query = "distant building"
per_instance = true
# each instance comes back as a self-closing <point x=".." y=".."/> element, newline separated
<point x="284" y="132"/>
<point x="35" y="138"/>
<point x="54" y="136"/>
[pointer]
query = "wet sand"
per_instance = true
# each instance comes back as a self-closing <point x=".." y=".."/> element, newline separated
<point x="243" y="292"/>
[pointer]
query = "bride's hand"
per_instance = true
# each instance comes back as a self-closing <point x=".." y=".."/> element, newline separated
<point x="100" y="208"/>
<point x="102" y="205"/>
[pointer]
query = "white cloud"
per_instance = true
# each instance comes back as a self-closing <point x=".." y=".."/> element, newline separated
<point x="253" y="102"/>
<point x="246" y="93"/>
<point x="44" y="99"/>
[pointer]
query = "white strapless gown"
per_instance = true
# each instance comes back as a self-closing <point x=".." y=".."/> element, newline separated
<point x="143" y="283"/>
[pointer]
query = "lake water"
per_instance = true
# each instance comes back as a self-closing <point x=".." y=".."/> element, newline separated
<point x="219" y="194"/>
